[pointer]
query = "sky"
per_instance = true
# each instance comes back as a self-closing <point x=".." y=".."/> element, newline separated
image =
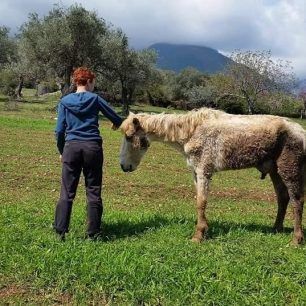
<point x="225" y="25"/>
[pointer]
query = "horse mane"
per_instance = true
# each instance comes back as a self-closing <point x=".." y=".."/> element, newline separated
<point x="176" y="127"/>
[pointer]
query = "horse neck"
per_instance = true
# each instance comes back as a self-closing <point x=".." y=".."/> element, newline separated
<point x="174" y="128"/>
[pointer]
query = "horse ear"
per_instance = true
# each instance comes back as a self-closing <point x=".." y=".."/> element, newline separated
<point x="136" y="122"/>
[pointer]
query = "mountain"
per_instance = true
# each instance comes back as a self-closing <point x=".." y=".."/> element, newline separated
<point x="177" y="57"/>
<point x="302" y="85"/>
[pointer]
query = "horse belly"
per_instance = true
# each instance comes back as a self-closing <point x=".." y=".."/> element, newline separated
<point x="246" y="152"/>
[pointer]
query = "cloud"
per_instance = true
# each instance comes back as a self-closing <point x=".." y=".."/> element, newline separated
<point x="279" y="26"/>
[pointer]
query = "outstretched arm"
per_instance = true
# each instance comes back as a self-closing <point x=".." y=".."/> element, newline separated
<point x="60" y="128"/>
<point x="109" y="113"/>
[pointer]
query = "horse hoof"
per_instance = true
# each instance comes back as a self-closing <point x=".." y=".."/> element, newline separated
<point x="196" y="239"/>
<point x="278" y="229"/>
<point x="297" y="241"/>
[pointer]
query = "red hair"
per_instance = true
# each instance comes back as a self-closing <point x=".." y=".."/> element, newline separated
<point x="81" y="75"/>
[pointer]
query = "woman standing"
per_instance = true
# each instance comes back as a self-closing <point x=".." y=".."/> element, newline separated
<point x="80" y="145"/>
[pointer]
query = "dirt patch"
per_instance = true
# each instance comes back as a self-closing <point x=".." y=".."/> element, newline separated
<point x="254" y="195"/>
<point x="12" y="291"/>
<point x="39" y="296"/>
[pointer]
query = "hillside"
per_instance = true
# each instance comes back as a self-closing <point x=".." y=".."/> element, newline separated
<point x="177" y="57"/>
<point x="302" y="85"/>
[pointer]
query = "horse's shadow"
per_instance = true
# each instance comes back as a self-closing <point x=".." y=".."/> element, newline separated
<point x="217" y="228"/>
<point x="222" y="228"/>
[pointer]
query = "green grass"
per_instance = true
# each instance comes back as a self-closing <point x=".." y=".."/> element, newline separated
<point x="146" y="257"/>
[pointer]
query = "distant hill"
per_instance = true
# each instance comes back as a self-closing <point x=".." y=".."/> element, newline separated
<point x="177" y="57"/>
<point x="302" y="85"/>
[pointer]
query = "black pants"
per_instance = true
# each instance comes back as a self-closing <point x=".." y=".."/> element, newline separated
<point x="78" y="156"/>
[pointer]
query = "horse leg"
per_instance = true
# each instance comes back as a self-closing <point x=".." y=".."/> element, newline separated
<point x="292" y="176"/>
<point x="282" y="196"/>
<point x="202" y="184"/>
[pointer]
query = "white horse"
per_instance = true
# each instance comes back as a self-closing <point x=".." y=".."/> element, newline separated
<point x="212" y="141"/>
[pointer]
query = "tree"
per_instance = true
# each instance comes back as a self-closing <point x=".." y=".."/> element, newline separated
<point x="127" y="66"/>
<point x="8" y="46"/>
<point x="186" y="80"/>
<point x="302" y="96"/>
<point x="255" y="73"/>
<point x="62" y="40"/>
<point x="8" y="58"/>
<point x="160" y="88"/>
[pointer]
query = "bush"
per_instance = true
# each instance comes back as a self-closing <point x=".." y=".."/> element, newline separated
<point x="280" y="104"/>
<point x="46" y="87"/>
<point x="199" y="96"/>
<point x="233" y="105"/>
<point x="8" y="82"/>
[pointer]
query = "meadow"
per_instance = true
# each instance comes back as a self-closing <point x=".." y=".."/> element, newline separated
<point x="146" y="256"/>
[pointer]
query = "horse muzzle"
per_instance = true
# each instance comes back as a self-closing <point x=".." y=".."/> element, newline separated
<point x="127" y="169"/>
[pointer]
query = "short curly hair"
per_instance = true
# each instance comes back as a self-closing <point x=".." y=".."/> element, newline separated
<point x="81" y="75"/>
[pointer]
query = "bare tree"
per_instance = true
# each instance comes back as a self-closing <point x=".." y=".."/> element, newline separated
<point x="255" y="73"/>
<point x="302" y="96"/>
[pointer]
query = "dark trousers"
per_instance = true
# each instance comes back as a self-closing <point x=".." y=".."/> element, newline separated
<point x="78" y="156"/>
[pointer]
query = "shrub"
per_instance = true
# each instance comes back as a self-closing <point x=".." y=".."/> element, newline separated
<point x="233" y="105"/>
<point x="199" y="96"/>
<point x="280" y="104"/>
<point x="8" y="82"/>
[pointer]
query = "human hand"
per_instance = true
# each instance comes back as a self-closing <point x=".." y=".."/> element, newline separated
<point x="115" y="127"/>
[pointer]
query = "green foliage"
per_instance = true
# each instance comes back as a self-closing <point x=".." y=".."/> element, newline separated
<point x="130" y="68"/>
<point x="47" y="86"/>
<point x="62" y="40"/>
<point x="186" y="80"/>
<point x="8" y="82"/>
<point x="159" y="91"/>
<point x="279" y="104"/>
<point x="8" y="47"/>
<point x="255" y="74"/>
<point x="232" y="105"/>
<point x="187" y="89"/>
<point x="200" y="96"/>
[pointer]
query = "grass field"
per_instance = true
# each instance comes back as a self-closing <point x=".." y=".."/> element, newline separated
<point x="146" y="257"/>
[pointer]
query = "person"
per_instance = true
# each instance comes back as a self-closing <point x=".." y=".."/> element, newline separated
<point x="80" y="146"/>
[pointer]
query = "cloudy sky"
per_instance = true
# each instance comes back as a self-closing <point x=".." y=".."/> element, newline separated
<point x="276" y="25"/>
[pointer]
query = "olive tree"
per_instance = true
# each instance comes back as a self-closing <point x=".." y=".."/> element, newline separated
<point x="62" y="40"/>
<point x="128" y="67"/>
<point x="8" y="57"/>
<point x="8" y="48"/>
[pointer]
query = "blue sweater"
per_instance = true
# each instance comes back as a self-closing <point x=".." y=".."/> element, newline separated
<point x="78" y="118"/>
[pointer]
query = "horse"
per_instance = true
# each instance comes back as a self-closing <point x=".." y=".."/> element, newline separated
<point x="212" y="140"/>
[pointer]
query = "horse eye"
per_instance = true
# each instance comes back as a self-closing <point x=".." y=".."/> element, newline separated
<point x="129" y="138"/>
<point x="144" y="143"/>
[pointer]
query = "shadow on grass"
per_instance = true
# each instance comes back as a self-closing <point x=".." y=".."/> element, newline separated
<point x="124" y="229"/>
<point x="222" y="228"/>
<point x="4" y="99"/>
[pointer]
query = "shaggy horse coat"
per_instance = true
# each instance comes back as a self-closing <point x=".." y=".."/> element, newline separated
<point x="212" y="141"/>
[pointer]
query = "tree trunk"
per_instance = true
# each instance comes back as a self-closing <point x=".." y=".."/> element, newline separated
<point x="36" y="87"/>
<point x="303" y="112"/>
<point x="19" y="88"/>
<point x="124" y="100"/>
<point x="151" y="100"/>
<point x="67" y="87"/>
<point x="130" y="96"/>
<point x="250" y="108"/>
<point x="250" y="103"/>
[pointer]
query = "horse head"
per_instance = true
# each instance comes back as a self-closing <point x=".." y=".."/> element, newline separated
<point x="134" y="145"/>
